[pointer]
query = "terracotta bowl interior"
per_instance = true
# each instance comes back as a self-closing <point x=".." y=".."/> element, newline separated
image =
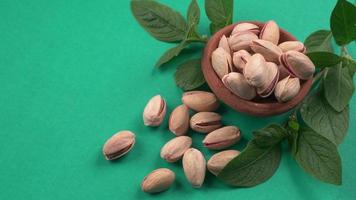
<point x="256" y="107"/>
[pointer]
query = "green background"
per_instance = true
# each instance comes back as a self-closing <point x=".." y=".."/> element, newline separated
<point x="74" y="72"/>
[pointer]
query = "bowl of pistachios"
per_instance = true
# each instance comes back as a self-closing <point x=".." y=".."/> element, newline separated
<point x="257" y="68"/>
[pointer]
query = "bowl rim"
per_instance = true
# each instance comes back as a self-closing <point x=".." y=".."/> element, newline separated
<point x="232" y="100"/>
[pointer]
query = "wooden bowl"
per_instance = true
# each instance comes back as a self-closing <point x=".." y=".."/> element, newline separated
<point x="256" y="107"/>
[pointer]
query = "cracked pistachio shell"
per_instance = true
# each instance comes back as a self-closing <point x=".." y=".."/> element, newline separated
<point x="174" y="149"/>
<point x="241" y="40"/>
<point x="287" y="89"/>
<point x="118" y="145"/>
<point x="154" y="111"/>
<point x="255" y="70"/>
<point x="292" y="45"/>
<point x="298" y="64"/>
<point x="194" y="166"/>
<point x="267" y="49"/>
<point x="240" y="59"/>
<point x="272" y="79"/>
<point x="158" y="180"/>
<point x="223" y="43"/>
<point x="221" y="61"/>
<point x="283" y="72"/>
<point x="238" y="85"/>
<point x="219" y="160"/>
<point x="222" y="138"/>
<point x="205" y="122"/>
<point x="179" y="120"/>
<point x="246" y="27"/>
<point x="270" y="32"/>
<point x="200" y="101"/>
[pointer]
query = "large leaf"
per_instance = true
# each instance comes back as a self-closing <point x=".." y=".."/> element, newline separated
<point x="324" y="59"/>
<point x="253" y="166"/>
<point x="160" y="21"/>
<point x="270" y="135"/>
<point x="319" y="41"/>
<point x="343" y="22"/>
<point x="193" y="13"/>
<point x="220" y="13"/>
<point x="350" y="64"/>
<point x="318" y="157"/>
<point x="189" y="75"/>
<point x="170" y="54"/>
<point x="338" y="87"/>
<point x="322" y="118"/>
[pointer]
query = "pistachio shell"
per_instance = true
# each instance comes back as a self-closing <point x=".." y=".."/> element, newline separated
<point x="287" y="89"/>
<point x="241" y="40"/>
<point x="270" y="32"/>
<point x="179" y="120"/>
<point x="158" y="180"/>
<point x="222" y="137"/>
<point x="283" y="72"/>
<point x="221" y="62"/>
<point x="194" y="166"/>
<point x="154" y="111"/>
<point x="238" y="85"/>
<point x="255" y="70"/>
<point x="118" y="145"/>
<point x="298" y="64"/>
<point x="270" y="51"/>
<point x="246" y="27"/>
<point x="223" y="43"/>
<point x="240" y="59"/>
<point x="272" y="79"/>
<point x="200" y="101"/>
<point x="205" y="122"/>
<point x="292" y="45"/>
<point x="174" y="149"/>
<point x="219" y="160"/>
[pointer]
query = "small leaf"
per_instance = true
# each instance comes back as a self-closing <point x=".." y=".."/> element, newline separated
<point x="220" y="13"/>
<point x="322" y="118"/>
<point x="293" y="129"/>
<point x="338" y="87"/>
<point x="318" y="157"/>
<point x="343" y="22"/>
<point x="270" y="135"/>
<point x="324" y="59"/>
<point x="253" y="166"/>
<point x="170" y="54"/>
<point x="189" y="75"/>
<point x="319" y="41"/>
<point x="193" y="13"/>
<point x="159" y="20"/>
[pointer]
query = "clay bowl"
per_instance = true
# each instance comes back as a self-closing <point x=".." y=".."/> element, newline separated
<point x="256" y="107"/>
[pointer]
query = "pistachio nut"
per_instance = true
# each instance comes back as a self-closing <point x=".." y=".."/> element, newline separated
<point x="222" y="138"/>
<point x="194" y="166"/>
<point x="283" y="72"/>
<point x="179" y="120"/>
<point x="174" y="149"/>
<point x="292" y="45"/>
<point x="200" y="101"/>
<point x="205" y="122"/>
<point x="287" y="89"/>
<point x="238" y="85"/>
<point x="158" y="180"/>
<point x="298" y="64"/>
<point x="240" y="58"/>
<point x="118" y="145"/>
<point x="270" y="32"/>
<point x="154" y="111"/>
<point x="221" y="62"/>
<point x="255" y="70"/>
<point x="241" y="40"/>
<point x="223" y="43"/>
<point x="267" y="49"/>
<point x="272" y="79"/>
<point x="219" y="160"/>
<point x="246" y="27"/>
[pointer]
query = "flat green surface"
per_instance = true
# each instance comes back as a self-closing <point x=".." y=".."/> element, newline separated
<point x="74" y="72"/>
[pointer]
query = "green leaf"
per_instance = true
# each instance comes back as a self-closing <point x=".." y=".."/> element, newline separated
<point x="343" y="22"/>
<point x="270" y="135"/>
<point x="170" y="54"/>
<point x="293" y="129"/>
<point x="189" y="75"/>
<point x="350" y="64"/>
<point x="322" y="118"/>
<point x="160" y="21"/>
<point x="253" y="166"/>
<point x="220" y="13"/>
<point x="193" y="13"/>
<point x="324" y="59"/>
<point x="338" y="87"/>
<point x="319" y="41"/>
<point x="318" y="157"/>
